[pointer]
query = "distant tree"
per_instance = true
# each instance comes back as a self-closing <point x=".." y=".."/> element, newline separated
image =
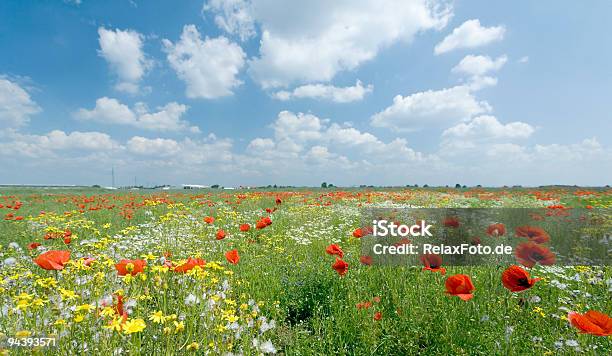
<point x="329" y="185"/>
<point x="215" y="186"/>
<point x="275" y="186"/>
<point x="323" y="185"/>
<point x="425" y="186"/>
<point x="479" y="186"/>
<point x="95" y="186"/>
<point x="457" y="186"/>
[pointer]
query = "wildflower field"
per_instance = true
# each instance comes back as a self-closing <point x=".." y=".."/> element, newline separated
<point x="258" y="272"/>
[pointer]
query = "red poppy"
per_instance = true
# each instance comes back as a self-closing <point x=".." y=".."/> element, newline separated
<point x="132" y="267"/>
<point x="496" y="230"/>
<point x="33" y="245"/>
<point x="364" y="305"/>
<point x="432" y="262"/>
<point x="476" y="241"/>
<point x="451" y="221"/>
<point x="119" y="306"/>
<point x="263" y="222"/>
<point x="232" y="257"/>
<point x="377" y="316"/>
<point x="592" y="322"/>
<point x="516" y="279"/>
<point x="358" y="233"/>
<point x="278" y="201"/>
<point x="334" y="249"/>
<point x="189" y="265"/>
<point x="376" y="299"/>
<point x="533" y="233"/>
<point x="340" y="266"/>
<point x="53" y="260"/>
<point x="460" y="285"/>
<point x="530" y="253"/>
<point x="366" y="260"/>
<point x="67" y="240"/>
<point x="209" y="220"/>
<point x="403" y="241"/>
<point x="245" y="227"/>
<point x="220" y="234"/>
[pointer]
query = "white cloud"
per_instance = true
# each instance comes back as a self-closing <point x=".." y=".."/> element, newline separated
<point x="16" y="105"/>
<point x="488" y="127"/>
<point x="470" y="35"/>
<point x="430" y="108"/>
<point x="261" y="144"/>
<point x="108" y="110"/>
<point x="327" y="92"/>
<point x="158" y="146"/>
<point x="123" y="52"/>
<point x="297" y="127"/>
<point x="46" y="145"/>
<point x="524" y="59"/>
<point x="311" y="41"/>
<point x="111" y="111"/>
<point x="479" y="65"/>
<point x="233" y="16"/>
<point x="209" y="68"/>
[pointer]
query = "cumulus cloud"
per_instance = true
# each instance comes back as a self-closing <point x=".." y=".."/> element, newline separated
<point x="154" y="147"/>
<point x="470" y="34"/>
<point x="233" y="16"/>
<point x="327" y="92"/>
<point x="311" y="41"/>
<point x="111" y="111"/>
<point x="124" y="53"/>
<point x="479" y="65"/>
<point x="477" y="68"/>
<point x="16" y="105"/>
<point x="208" y="67"/>
<point x="483" y="133"/>
<point x="490" y="128"/>
<point x="48" y="144"/>
<point x="430" y="108"/>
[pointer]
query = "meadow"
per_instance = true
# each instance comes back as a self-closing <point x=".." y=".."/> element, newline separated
<point x="276" y="271"/>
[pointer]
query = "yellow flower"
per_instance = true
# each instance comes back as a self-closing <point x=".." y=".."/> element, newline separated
<point x="193" y="346"/>
<point x="60" y="322"/>
<point x="148" y="256"/>
<point x="157" y="317"/>
<point x="23" y="333"/>
<point x="78" y="318"/>
<point x="114" y="325"/>
<point x="86" y="307"/>
<point x="68" y="294"/>
<point x="134" y="326"/>
<point x="179" y="326"/>
<point x="22" y="304"/>
<point x="108" y="311"/>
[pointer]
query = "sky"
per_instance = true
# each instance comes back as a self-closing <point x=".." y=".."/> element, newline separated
<point x="258" y="92"/>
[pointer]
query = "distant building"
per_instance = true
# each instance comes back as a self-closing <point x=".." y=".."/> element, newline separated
<point x="194" y="186"/>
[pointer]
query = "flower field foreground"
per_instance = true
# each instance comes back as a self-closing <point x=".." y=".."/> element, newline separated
<point x="263" y="272"/>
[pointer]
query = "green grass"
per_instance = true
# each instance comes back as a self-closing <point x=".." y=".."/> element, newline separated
<point x="283" y="274"/>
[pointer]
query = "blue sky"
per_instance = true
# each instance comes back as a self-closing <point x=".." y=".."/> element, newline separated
<point x="273" y="92"/>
